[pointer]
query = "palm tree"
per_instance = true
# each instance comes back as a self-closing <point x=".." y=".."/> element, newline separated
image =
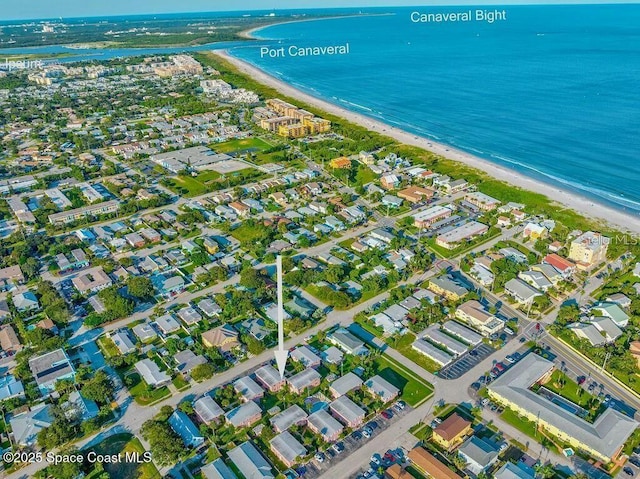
<point x="544" y="471"/>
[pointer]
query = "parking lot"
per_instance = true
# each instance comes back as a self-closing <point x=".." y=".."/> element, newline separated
<point x="353" y="441"/>
<point x="384" y="460"/>
<point x="466" y="362"/>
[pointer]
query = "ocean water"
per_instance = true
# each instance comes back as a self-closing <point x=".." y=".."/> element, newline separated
<point x="552" y="92"/>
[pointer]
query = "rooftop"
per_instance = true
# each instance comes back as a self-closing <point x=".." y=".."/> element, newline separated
<point x="606" y="435"/>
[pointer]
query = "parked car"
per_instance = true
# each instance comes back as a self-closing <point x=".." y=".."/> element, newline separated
<point x="401" y="405"/>
<point x="319" y="456"/>
<point x="376" y="459"/>
<point x="581" y="380"/>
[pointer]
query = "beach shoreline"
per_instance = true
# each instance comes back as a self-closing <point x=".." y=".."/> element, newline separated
<point x="248" y="34"/>
<point x="582" y="205"/>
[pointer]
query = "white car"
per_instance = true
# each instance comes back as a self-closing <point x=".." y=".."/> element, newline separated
<point x="485" y="401"/>
<point x="366" y="433"/>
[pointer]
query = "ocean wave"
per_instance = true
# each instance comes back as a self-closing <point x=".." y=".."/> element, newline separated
<point x="592" y="190"/>
<point x="355" y="104"/>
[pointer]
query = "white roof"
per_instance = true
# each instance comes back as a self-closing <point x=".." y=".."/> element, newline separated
<point x="207" y="409"/>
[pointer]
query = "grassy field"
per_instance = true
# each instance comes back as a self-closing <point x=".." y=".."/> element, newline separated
<point x="126" y="443"/>
<point x="403" y="346"/>
<point x="414" y="389"/>
<point x="241" y="144"/>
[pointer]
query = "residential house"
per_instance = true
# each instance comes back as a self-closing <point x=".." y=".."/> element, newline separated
<point x="209" y="307"/>
<point x="92" y="281"/>
<point x="347" y="342"/>
<point x="144" y="332"/>
<point x="224" y="338"/>
<point x="451" y="432"/>
<point x="122" y="340"/>
<point x="479" y="454"/>
<point x="522" y="292"/>
<point x="167" y="324"/>
<point x="151" y="373"/>
<point x="26" y="301"/>
<point x="51" y="367"/>
<point x="306" y="357"/>
<point x="217" y="470"/>
<point x="187" y="360"/>
<point x="25" y="426"/>
<point x="564" y="266"/>
<point x="614" y="312"/>
<point x="9" y="341"/>
<point x="189" y="316"/>
<point x="184" y="427"/>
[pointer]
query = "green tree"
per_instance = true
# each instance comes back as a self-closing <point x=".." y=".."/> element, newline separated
<point x="99" y="388"/>
<point x="203" y="371"/>
<point x="140" y="287"/>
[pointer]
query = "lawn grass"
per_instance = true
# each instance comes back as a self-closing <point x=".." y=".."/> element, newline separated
<point x="570" y="391"/>
<point x="413" y="389"/>
<point x="108" y="346"/>
<point x="241" y="144"/>
<point x="143" y="397"/>
<point x="523" y="425"/>
<point x="365" y="175"/>
<point x="126" y="443"/>
<point x="180" y="383"/>
<point x="404" y="347"/>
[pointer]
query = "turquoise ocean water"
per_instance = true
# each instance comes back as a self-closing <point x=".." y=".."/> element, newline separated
<point x="552" y="91"/>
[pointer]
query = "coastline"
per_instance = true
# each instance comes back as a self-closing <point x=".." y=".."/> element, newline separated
<point x="248" y="34"/>
<point x="585" y="206"/>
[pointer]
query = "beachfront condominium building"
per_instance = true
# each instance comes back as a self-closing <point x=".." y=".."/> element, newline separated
<point x="602" y="439"/>
<point x="589" y="249"/>
<point x="293" y="122"/>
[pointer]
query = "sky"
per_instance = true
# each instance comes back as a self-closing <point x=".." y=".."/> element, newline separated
<point x="30" y="9"/>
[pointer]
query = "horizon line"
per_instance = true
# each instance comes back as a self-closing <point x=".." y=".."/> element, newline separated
<point x="463" y="3"/>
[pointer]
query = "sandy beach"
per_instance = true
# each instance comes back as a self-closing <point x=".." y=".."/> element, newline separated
<point x="584" y="206"/>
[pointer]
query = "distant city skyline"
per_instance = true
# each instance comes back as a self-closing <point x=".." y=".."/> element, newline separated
<point x="37" y="9"/>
